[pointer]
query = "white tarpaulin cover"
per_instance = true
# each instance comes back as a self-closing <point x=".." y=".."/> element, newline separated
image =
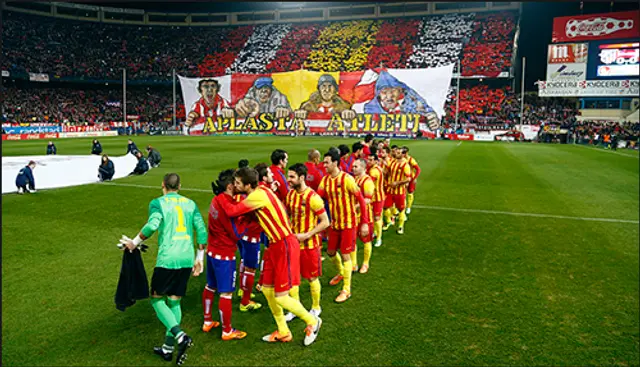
<point x="53" y="171"/>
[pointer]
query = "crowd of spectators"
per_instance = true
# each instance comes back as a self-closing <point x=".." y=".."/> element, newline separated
<point x="481" y="105"/>
<point x="295" y="48"/>
<point x="606" y="133"/>
<point x="490" y="49"/>
<point x="343" y="46"/>
<point x="394" y="43"/>
<point x="259" y="49"/>
<point x="91" y="106"/>
<point x="217" y="60"/>
<point x="100" y="51"/>
<point x="90" y="50"/>
<point x="441" y="40"/>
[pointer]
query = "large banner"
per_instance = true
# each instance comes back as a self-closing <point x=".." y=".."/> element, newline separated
<point x="596" y="27"/>
<point x="54" y="171"/>
<point x="380" y="101"/>
<point x="588" y="88"/>
<point x="567" y="62"/>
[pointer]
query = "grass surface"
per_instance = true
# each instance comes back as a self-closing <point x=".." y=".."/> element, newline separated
<point x="459" y="288"/>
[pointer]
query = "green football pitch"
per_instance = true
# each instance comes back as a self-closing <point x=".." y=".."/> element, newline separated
<point x="514" y="254"/>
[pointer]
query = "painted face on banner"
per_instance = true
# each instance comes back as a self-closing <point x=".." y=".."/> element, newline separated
<point x="327" y="91"/>
<point x="264" y="94"/>
<point x="209" y="91"/>
<point x="389" y="97"/>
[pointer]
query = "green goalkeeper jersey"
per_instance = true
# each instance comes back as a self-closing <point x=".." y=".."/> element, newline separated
<point x="175" y="217"/>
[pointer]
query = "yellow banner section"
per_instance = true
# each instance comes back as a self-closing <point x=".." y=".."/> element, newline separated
<point x="300" y="84"/>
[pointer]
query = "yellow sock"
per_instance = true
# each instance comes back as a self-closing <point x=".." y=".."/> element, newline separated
<point x="367" y="253"/>
<point x="337" y="261"/>
<point x="276" y="310"/>
<point x="315" y="293"/>
<point x="296" y="308"/>
<point x="387" y="215"/>
<point x="354" y="256"/>
<point x="409" y="200"/>
<point x="294" y="292"/>
<point x="402" y="219"/>
<point x="346" y="285"/>
<point x="377" y="228"/>
<point x="395" y="211"/>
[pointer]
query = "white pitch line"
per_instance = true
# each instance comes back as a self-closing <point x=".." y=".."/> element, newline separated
<point x="460" y="143"/>
<point x="496" y="212"/>
<point x="520" y="214"/>
<point x="148" y="187"/>
<point x="608" y="151"/>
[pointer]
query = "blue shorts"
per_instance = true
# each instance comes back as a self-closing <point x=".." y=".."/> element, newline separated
<point x="264" y="239"/>
<point x="250" y="253"/>
<point x="221" y="275"/>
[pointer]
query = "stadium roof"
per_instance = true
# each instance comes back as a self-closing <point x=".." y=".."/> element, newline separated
<point x="218" y="7"/>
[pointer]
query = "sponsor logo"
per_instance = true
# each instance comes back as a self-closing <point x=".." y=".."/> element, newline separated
<point x="597" y="26"/>
<point x="563" y="73"/>
<point x="568" y="53"/>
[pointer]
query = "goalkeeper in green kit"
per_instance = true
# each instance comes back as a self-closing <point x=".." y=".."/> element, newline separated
<point x="176" y="218"/>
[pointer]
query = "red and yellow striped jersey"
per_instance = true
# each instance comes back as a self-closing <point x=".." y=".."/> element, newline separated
<point x="269" y="209"/>
<point x="304" y="209"/>
<point x="375" y="172"/>
<point x="387" y="165"/>
<point x="340" y="192"/>
<point x="400" y="171"/>
<point x="415" y="168"/>
<point x="367" y="187"/>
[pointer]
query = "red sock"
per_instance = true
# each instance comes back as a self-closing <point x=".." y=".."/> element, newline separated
<point x="207" y="302"/>
<point x="260" y="278"/>
<point x="241" y="270"/>
<point x="248" y="278"/>
<point x="224" y="305"/>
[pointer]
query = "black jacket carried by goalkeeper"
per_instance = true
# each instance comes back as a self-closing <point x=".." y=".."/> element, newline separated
<point x="133" y="284"/>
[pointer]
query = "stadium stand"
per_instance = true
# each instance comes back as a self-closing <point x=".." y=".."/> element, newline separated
<point x="490" y="48"/>
<point x="295" y="48"/>
<point x="260" y="49"/>
<point x="441" y="40"/>
<point x="93" y="106"/>
<point x="343" y="46"/>
<point x="68" y="50"/>
<point x="394" y="43"/>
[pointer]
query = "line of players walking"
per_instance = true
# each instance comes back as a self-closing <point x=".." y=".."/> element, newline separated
<point x="307" y="202"/>
<point x="289" y="209"/>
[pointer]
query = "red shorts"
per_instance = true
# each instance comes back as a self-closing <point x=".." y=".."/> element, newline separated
<point x="369" y="237"/>
<point x="281" y="267"/>
<point x="400" y="201"/>
<point x="388" y="201"/>
<point x="377" y="208"/>
<point x="412" y="186"/>
<point x="343" y="240"/>
<point x="310" y="263"/>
